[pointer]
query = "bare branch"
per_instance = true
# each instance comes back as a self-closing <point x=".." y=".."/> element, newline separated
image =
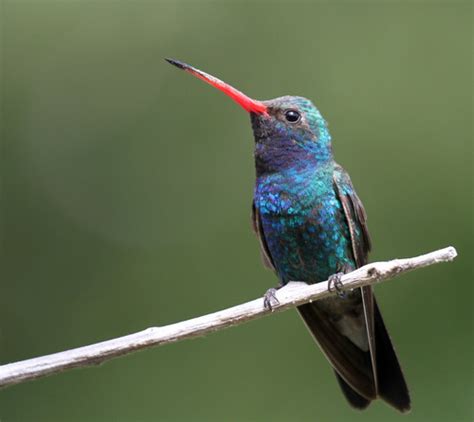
<point x="291" y="295"/>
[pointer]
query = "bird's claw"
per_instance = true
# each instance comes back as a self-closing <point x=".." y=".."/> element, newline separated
<point x="335" y="281"/>
<point x="270" y="300"/>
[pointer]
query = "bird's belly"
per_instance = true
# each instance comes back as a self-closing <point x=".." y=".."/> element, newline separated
<point x="304" y="249"/>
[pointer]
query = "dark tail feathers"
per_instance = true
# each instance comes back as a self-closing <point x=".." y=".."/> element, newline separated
<point x="391" y="383"/>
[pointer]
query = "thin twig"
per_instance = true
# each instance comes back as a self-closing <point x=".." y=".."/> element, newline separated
<point x="293" y="294"/>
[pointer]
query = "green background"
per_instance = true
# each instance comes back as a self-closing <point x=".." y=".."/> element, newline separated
<point x="126" y="190"/>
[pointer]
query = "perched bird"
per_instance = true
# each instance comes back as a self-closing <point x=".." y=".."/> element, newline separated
<point x="312" y="227"/>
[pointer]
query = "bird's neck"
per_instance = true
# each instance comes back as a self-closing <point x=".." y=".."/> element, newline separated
<point x="294" y="189"/>
<point x="286" y="153"/>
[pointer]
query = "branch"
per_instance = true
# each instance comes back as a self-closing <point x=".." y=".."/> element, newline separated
<point x="293" y="294"/>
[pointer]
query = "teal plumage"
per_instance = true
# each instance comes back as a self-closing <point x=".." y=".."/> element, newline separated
<point x="311" y="225"/>
<point x="301" y="215"/>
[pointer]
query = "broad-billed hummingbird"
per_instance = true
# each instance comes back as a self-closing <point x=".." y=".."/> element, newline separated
<point x="312" y="226"/>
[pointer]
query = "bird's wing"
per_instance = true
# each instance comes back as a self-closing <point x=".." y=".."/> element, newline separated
<point x="356" y="219"/>
<point x="257" y="228"/>
<point x="390" y="383"/>
<point x="355" y="215"/>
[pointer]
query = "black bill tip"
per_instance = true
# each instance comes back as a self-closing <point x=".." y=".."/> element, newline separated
<point x="177" y="63"/>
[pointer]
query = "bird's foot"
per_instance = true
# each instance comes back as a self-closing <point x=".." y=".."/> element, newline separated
<point x="334" y="281"/>
<point x="270" y="300"/>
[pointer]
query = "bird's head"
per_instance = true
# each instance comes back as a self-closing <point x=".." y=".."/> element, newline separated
<point x="289" y="131"/>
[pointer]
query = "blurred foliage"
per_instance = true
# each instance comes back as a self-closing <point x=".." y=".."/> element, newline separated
<point x="126" y="189"/>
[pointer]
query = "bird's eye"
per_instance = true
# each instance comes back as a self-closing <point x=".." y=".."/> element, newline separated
<point x="292" y="116"/>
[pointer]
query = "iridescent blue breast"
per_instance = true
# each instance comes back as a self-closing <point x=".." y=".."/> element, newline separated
<point x="304" y="227"/>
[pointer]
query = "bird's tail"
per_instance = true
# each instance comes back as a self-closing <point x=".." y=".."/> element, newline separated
<point x="353" y="366"/>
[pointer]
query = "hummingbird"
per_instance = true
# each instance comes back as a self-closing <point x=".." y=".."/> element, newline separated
<point x="312" y="226"/>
